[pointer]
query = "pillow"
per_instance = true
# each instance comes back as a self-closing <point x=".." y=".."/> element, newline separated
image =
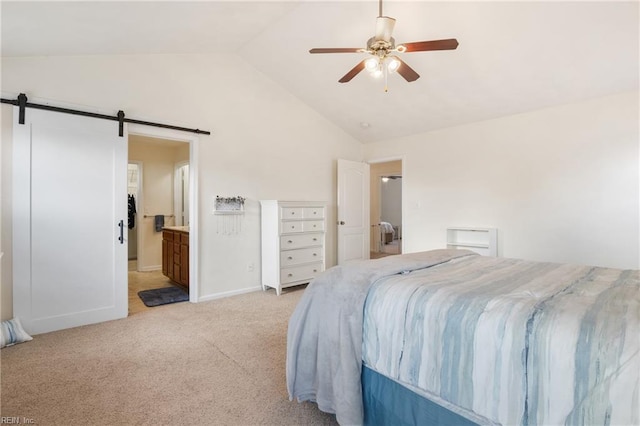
<point x="12" y="333"/>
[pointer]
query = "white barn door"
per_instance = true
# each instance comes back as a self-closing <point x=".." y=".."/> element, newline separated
<point x="353" y="211"/>
<point x="69" y="196"/>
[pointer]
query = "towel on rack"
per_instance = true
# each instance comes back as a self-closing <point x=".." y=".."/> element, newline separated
<point x="159" y="222"/>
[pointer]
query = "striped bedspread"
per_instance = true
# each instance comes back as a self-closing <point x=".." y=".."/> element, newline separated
<point x="324" y="337"/>
<point x="511" y="341"/>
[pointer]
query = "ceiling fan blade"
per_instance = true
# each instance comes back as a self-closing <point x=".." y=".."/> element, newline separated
<point x="384" y="28"/>
<point x="407" y="72"/>
<point x="423" y="46"/>
<point x="354" y="71"/>
<point x="336" y="50"/>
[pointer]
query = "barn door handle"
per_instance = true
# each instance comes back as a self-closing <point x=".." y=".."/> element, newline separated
<point x="121" y="237"/>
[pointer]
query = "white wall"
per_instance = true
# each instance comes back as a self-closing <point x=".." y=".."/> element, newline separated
<point x="265" y="143"/>
<point x="560" y="184"/>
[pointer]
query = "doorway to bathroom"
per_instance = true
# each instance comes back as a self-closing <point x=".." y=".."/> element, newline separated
<point x="158" y="193"/>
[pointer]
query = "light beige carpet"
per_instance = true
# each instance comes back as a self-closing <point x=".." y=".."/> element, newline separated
<point x="213" y="363"/>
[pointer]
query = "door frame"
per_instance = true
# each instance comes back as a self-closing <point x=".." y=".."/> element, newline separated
<point x="177" y="197"/>
<point x="193" y="141"/>
<point x="403" y="160"/>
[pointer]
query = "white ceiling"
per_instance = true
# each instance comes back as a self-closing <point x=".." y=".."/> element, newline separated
<point x="513" y="57"/>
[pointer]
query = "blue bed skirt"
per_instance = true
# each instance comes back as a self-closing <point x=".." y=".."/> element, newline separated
<point x="389" y="403"/>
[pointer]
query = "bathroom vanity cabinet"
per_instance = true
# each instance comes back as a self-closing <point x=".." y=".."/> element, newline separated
<point x="175" y="254"/>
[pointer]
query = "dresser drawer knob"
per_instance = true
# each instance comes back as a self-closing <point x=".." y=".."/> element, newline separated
<point x="289" y="242"/>
<point x="315" y="239"/>
<point x="290" y="258"/>
<point x="315" y="270"/>
<point x="290" y="275"/>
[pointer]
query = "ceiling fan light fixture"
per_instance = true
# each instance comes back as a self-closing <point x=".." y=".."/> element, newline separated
<point x="393" y="64"/>
<point x="372" y="63"/>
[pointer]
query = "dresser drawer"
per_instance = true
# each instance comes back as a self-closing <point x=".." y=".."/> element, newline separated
<point x="296" y="241"/>
<point x="313" y="225"/>
<point x="305" y="255"/>
<point x="298" y="273"/>
<point x="288" y="227"/>
<point x="313" y="212"/>
<point x="293" y="226"/>
<point x="292" y="213"/>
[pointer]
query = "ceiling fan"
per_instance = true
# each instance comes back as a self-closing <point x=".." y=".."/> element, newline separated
<point x="382" y="50"/>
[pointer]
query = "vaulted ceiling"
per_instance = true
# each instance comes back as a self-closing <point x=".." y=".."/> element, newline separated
<point x="513" y="57"/>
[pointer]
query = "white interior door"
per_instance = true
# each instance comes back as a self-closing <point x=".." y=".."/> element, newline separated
<point x="353" y="211"/>
<point x="70" y="196"/>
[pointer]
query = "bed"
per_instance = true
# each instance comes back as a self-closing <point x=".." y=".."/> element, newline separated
<point x="452" y="337"/>
<point x="387" y="232"/>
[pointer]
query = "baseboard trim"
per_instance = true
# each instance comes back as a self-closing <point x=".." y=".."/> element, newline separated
<point x="150" y="268"/>
<point x="228" y="293"/>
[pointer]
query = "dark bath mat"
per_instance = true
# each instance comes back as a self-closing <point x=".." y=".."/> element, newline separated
<point x="163" y="296"/>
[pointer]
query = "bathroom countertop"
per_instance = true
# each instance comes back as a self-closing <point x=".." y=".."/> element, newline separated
<point x="177" y="228"/>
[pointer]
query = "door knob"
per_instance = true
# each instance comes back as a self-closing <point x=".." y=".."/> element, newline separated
<point x="341" y="222"/>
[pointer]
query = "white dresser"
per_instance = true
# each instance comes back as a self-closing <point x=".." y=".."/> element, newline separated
<point x="293" y="242"/>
